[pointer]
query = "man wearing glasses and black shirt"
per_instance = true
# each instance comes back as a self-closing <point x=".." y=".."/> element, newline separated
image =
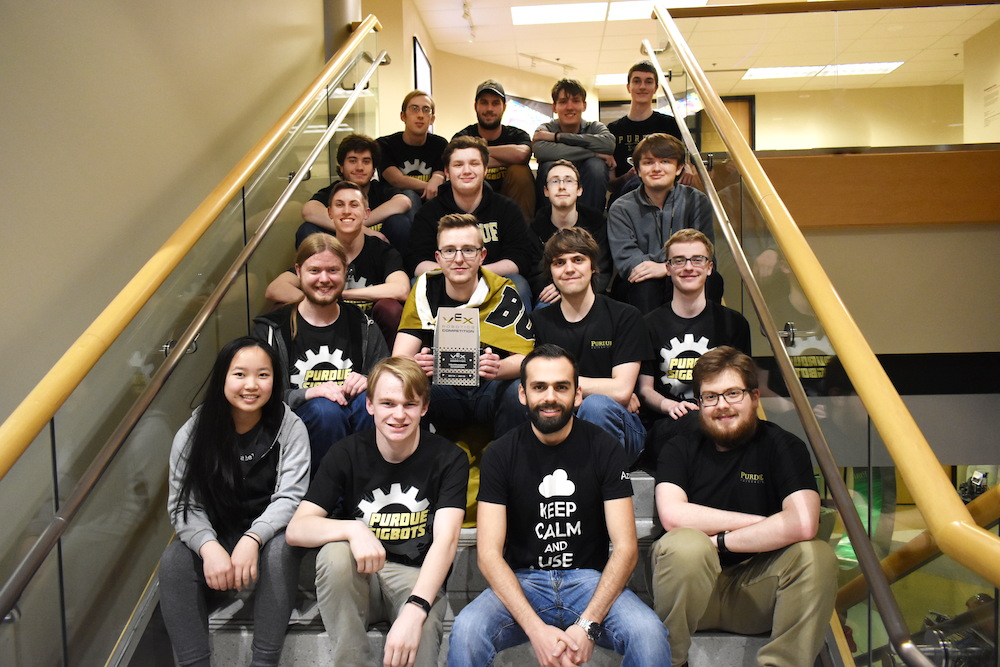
<point x="411" y="159"/>
<point x="681" y="331"/>
<point x="461" y="281"/>
<point x="738" y="499"/>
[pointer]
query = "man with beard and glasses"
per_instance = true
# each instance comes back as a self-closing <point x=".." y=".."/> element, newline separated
<point x="507" y="171"/>
<point x="740" y="505"/>
<point x="552" y="494"/>
<point x="326" y="346"/>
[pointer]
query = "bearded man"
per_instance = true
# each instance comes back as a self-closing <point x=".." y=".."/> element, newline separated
<point x="738" y="499"/>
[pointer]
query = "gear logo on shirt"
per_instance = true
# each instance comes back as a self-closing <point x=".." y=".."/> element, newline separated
<point x="397" y="519"/>
<point x="417" y="169"/>
<point x="679" y="358"/>
<point x="321" y="366"/>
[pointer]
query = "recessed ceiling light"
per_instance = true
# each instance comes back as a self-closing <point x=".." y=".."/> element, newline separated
<point x="859" y="68"/>
<point x="579" y="12"/>
<point x="612" y="79"/>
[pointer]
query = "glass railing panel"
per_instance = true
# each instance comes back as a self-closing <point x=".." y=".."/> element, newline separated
<point x="117" y="538"/>
<point x="34" y="638"/>
<point x="33" y="634"/>
<point x="277" y="251"/>
<point x="116" y="541"/>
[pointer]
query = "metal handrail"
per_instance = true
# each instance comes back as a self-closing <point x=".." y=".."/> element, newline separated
<point x="892" y="617"/>
<point x="30" y="417"/>
<point x="46" y="541"/>
<point x="947" y="518"/>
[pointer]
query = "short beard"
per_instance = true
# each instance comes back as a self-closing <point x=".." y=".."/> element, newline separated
<point x="547" y="425"/>
<point x="489" y="126"/>
<point x="730" y="438"/>
<point x="313" y="299"/>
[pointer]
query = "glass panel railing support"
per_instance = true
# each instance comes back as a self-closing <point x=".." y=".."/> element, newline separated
<point x="892" y="616"/>
<point x="49" y="537"/>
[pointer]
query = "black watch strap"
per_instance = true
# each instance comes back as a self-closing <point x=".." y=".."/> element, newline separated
<point x="720" y="539"/>
<point x="420" y="602"/>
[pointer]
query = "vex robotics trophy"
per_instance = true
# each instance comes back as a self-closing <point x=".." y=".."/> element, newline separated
<point x="456" y="347"/>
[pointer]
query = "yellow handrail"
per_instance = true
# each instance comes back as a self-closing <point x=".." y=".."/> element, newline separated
<point x="947" y="518"/>
<point x="30" y="417"/>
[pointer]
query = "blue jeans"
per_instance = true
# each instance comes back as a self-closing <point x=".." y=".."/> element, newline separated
<point x="616" y="420"/>
<point x="462" y="405"/>
<point x="328" y="421"/>
<point x="485" y="627"/>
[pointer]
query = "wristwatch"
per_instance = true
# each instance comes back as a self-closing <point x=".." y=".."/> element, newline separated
<point x="594" y="630"/>
<point x="721" y="541"/>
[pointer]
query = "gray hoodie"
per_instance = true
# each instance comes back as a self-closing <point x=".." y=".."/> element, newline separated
<point x="195" y="529"/>
<point x="637" y="229"/>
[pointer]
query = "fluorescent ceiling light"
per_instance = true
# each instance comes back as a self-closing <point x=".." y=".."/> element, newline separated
<point x="612" y="79"/>
<point x="580" y="12"/>
<point x="859" y="68"/>
<point x="631" y="10"/>
<point x="781" y="72"/>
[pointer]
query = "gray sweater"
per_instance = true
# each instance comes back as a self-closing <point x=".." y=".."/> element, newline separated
<point x="637" y="229"/>
<point x="593" y="138"/>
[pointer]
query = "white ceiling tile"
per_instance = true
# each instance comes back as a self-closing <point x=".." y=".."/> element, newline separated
<point x="925" y="38"/>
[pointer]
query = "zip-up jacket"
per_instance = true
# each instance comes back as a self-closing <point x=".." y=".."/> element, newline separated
<point x="637" y="229"/>
<point x="195" y="529"/>
<point x="275" y="329"/>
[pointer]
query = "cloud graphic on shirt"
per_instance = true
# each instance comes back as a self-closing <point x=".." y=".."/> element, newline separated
<point x="557" y="484"/>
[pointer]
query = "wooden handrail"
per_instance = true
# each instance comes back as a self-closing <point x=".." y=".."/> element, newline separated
<point x="947" y="518"/>
<point x="30" y="417"/>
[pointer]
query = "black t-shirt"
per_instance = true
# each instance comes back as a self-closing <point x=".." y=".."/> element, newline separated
<point x="554" y="495"/>
<point x="611" y="334"/>
<point x="752" y="479"/>
<point x="376" y="261"/>
<point x="324" y="354"/>
<point x="679" y="342"/>
<point x="397" y="501"/>
<point x="379" y="192"/>
<point x="628" y="134"/>
<point x="509" y="135"/>
<point x="416" y="161"/>
<point x="587" y="218"/>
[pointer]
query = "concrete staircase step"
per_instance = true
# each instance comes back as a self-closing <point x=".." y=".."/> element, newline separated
<point x="231" y="648"/>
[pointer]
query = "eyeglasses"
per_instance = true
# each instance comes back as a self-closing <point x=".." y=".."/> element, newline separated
<point x="414" y="108"/>
<point x="732" y="396"/>
<point x="697" y="261"/>
<point x="556" y="182"/>
<point x="467" y="253"/>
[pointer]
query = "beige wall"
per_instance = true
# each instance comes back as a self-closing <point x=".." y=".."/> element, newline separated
<point x="917" y="289"/>
<point x="913" y="116"/>
<point x="400" y="22"/>
<point x="119" y="118"/>
<point x="982" y="86"/>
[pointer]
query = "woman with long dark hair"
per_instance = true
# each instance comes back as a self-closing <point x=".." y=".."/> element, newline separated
<point x="238" y="469"/>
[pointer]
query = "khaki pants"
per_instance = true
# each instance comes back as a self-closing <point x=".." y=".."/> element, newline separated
<point x="788" y="593"/>
<point x="519" y="185"/>
<point x="349" y="602"/>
